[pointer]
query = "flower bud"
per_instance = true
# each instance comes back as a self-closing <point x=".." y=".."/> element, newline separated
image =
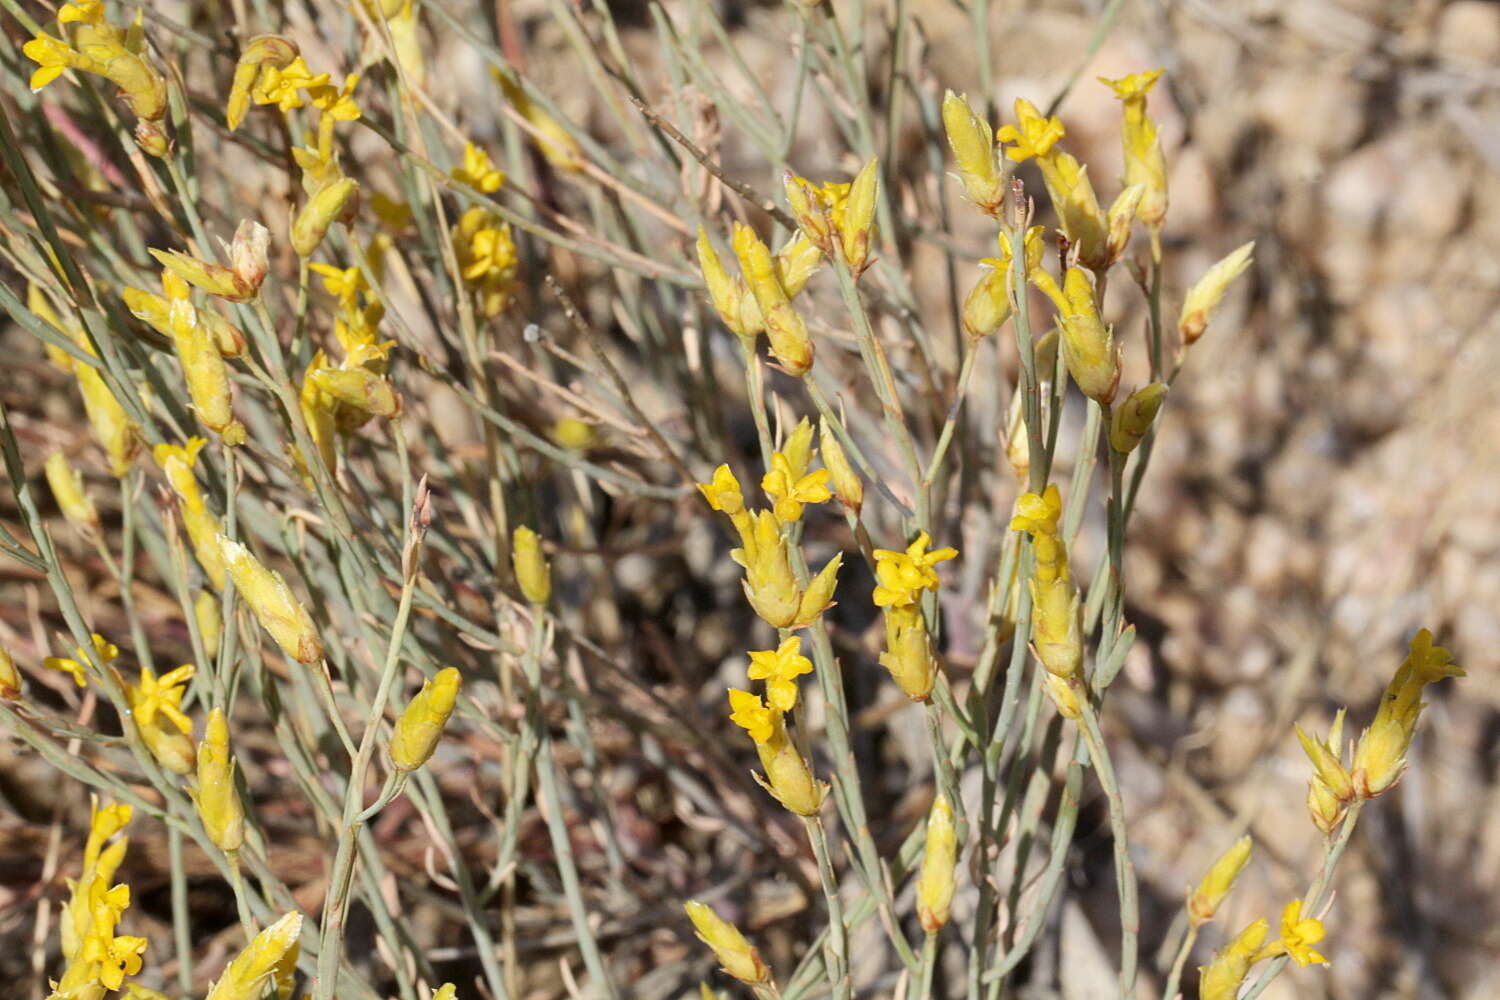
<point x="1204" y="298"/>
<point x="1205" y="900"/>
<point x="247" y="976"/>
<point x="320" y="212"/>
<point x="1063" y="697"/>
<point x="847" y="486"/>
<point x="1122" y="213"/>
<point x="218" y="802"/>
<point x="936" y="882"/>
<point x="206" y="611"/>
<point x="819" y="594"/>
<point x="723" y="291"/>
<point x="1055" y="632"/>
<point x="156" y="311"/>
<point x="532" y="570"/>
<point x="215" y="279"/>
<point x="908" y="654"/>
<point x="117" y="433"/>
<point x="151" y="138"/>
<point x="1088" y="346"/>
<point x="68" y="491"/>
<point x="770" y="585"/>
<point x="1324" y="807"/>
<point x="788" y="778"/>
<point x="810" y="210"/>
<point x="735" y="954"/>
<point x="421" y="724"/>
<point x="206" y="374"/>
<point x="247" y="254"/>
<point x="796" y="262"/>
<point x="272" y="601"/>
<point x="1327" y="763"/>
<point x="785" y="327"/>
<point x="973" y="144"/>
<point x="1221" y="978"/>
<point x="1129" y="422"/>
<point x="359" y="389"/>
<point x="797" y="450"/>
<point x="987" y="306"/>
<point x="856" y="224"/>
<point x="260" y="50"/>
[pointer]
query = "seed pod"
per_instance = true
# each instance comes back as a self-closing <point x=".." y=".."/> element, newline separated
<point x="847" y="486"/>
<point x="939" y="858"/>
<point x="272" y="601"/>
<point x="320" y="212"/>
<point x="421" y="724"/>
<point x="218" y="802"/>
<point x="1204" y="298"/>
<point x="973" y="144"/>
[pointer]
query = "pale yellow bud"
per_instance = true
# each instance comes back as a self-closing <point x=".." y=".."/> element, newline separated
<point x="1129" y="422"/>
<point x="275" y="607"/>
<point x="1204" y="297"/>
<point x="856" y="224"/>
<point x="973" y="143"/>
<point x="1063" y="697"/>
<point x="770" y="585"/>
<point x="939" y="858"/>
<point x="1122" y="213"/>
<point x="847" y="485"/>
<point x="321" y="211"/>
<point x="735" y="954"/>
<point x="247" y="976"/>
<point x="908" y="655"/>
<point x="359" y="389"/>
<point x="1205" y="900"/>
<point x="156" y="311"/>
<point x="218" y="802"/>
<point x="987" y="306"/>
<point x="1056" y="635"/>
<point x="533" y="573"/>
<point x="1222" y="977"/>
<point x="206" y="374"/>
<point x="68" y="491"/>
<point x="118" y="435"/>
<point x="421" y="724"/>
<point x="819" y="594"/>
<point x="247" y="254"/>
<point x="447" y="991"/>
<point x="723" y="291"/>
<point x="796" y="262"/>
<point x="798" y="449"/>
<point x="788" y="777"/>
<point x="215" y="279"/>
<point x="1324" y="807"/>
<point x="785" y="328"/>
<point x="206" y="611"/>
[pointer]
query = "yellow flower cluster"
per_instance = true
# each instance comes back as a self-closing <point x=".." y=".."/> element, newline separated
<point x="77" y="665"/>
<point x="487" y="258"/>
<point x="839" y="218"/>
<point x="478" y="171"/>
<point x="97" y="959"/>
<point x="1055" y="632"/>
<point x="1380" y="755"/>
<point x="339" y="398"/>
<point x="94" y="45"/>
<point x="900" y="579"/>
<point x="156" y="706"/>
<point x="1222" y="977"/>
<point x="771" y="585"/>
<point x="771" y="279"/>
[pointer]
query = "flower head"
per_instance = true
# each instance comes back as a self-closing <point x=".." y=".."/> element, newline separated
<point x="76" y="665"/>
<point x="901" y="576"/>
<point x="282" y="85"/>
<point x="1299" y="934"/>
<point x="789" y="492"/>
<point x="779" y="668"/>
<point x="1033" y="134"/>
<point x="751" y="714"/>
<point x="478" y="171"/>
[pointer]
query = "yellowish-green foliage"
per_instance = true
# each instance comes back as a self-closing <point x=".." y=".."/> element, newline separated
<point x="462" y="371"/>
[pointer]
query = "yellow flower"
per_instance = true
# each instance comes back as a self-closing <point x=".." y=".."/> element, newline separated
<point x="281" y="85"/>
<point x="729" y="946"/>
<point x="116" y="957"/>
<point x="76" y="665"/>
<point x="85" y="11"/>
<point x="153" y="697"/>
<point x="1033" y="134"/>
<point x="336" y="104"/>
<point x="246" y="976"/>
<point x="900" y="575"/>
<point x="478" y="171"/>
<point x="723" y="492"/>
<point x="1144" y="163"/>
<point x="1205" y="900"/>
<point x="1038" y="514"/>
<point x="780" y="668"/>
<point x="421" y="724"/>
<point x="52" y="56"/>
<point x="1380" y="757"/>
<point x="1327" y="760"/>
<point x="1298" y="935"/>
<point x="789" y="493"/>
<point x="1088" y="345"/>
<point x="1221" y="978"/>
<point x="272" y="50"/>
<point x="486" y="257"/>
<point x="344" y="283"/>
<point x="751" y="714"/>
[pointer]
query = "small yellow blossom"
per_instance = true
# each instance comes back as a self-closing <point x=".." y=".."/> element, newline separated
<point x="901" y="575"/>
<point x="282" y="85"/>
<point x="750" y="713"/>
<point x="1033" y="135"/>
<point x="789" y="493"/>
<point x="486" y="258"/>
<point x="262" y="50"/>
<point x="77" y="664"/>
<point x="1380" y="757"/>
<point x="154" y="699"/>
<point x="478" y="171"/>
<point x="275" y="607"/>
<point x="1088" y="345"/>
<point x="780" y="668"/>
<point x="10" y="677"/>
<point x="1145" y="165"/>
<point x="908" y="654"/>
<point x="1299" y="934"/>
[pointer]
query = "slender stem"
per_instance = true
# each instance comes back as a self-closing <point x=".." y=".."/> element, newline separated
<point x="929" y="964"/>
<point x="1174" y="978"/>
<point x="836" y="946"/>
<point x="1130" y="918"/>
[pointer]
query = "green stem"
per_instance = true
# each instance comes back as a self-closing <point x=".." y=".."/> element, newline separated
<point x="836" y="947"/>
